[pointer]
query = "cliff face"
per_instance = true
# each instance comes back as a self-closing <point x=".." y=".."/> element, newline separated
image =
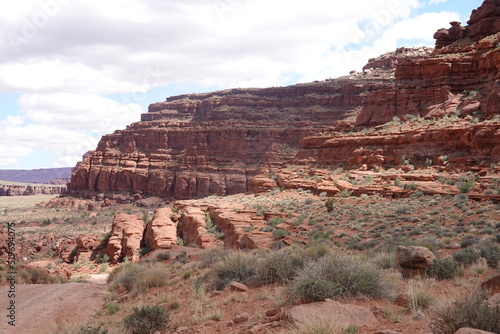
<point x="28" y="190"/>
<point x="460" y="80"/>
<point x="466" y="61"/>
<point x="218" y="143"/>
<point x="202" y="144"/>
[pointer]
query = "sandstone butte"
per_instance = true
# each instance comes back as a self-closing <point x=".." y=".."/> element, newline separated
<point x="223" y="142"/>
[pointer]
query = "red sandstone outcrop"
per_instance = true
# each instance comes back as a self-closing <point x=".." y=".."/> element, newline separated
<point x="332" y="313"/>
<point x="464" y="146"/>
<point x="414" y="260"/>
<point x="161" y="232"/>
<point x="192" y="228"/>
<point x="201" y="144"/>
<point x="458" y="78"/>
<point x="241" y="229"/>
<point x="126" y="236"/>
<point x="29" y="190"/>
<point x="391" y="60"/>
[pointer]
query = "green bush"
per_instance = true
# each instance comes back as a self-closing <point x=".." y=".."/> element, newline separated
<point x="336" y="275"/>
<point x="280" y="266"/>
<point x="36" y="276"/>
<point x="139" y="277"/>
<point x="491" y="253"/>
<point x="468" y="241"/>
<point x="469" y="310"/>
<point x="466" y="186"/>
<point x="213" y="256"/>
<point x="329" y="204"/>
<point x="443" y="269"/>
<point x="239" y="267"/>
<point x="112" y="307"/>
<point x="466" y="257"/>
<point x="146" y="320"/>
<point x="89" y="329"/>
<point x="163" y="256"/>
<point x="279" y="233"/>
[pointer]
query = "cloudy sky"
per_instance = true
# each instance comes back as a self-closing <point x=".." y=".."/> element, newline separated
<point x="73" y="70"/>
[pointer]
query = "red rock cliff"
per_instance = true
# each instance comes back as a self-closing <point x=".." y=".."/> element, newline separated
<point x="464" y="67"/>
<point x="214" y="143"/>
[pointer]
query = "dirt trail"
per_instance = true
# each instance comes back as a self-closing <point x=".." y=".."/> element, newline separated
<point x="42" y="308"/>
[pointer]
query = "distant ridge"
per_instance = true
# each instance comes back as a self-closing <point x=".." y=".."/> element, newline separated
<point x="34" y="175"/>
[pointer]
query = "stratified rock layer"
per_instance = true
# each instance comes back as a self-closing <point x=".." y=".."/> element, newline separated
<point x="465" y="67"/>
<point x="202" y="144"/>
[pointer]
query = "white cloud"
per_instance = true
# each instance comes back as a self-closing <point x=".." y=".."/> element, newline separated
<point x="63" y="55"/>
<point x="78" y="112"/>
<point x="420" y="28"/>
<point x="20" y="140"/>
<point x="107" y="47"/>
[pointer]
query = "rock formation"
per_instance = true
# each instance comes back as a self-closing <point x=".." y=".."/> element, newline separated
<point x="457" y="75"/>
<point x="464" y="146"/>
<point x="228" y="142"/>
<point x="161" y="232"/>
<point x="215" y="143"/>
<point x="192" y="228"/>
<point x="28" y="190"/>
<point x="126" y="236"/>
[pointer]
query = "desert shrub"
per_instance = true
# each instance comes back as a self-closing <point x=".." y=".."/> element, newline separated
<point x="410" y="186"/>
<point x="419" y="298"/>
<point x="403" y="210"/>
<point x="468" y="310"/>
<point x="35" y="276"/>
<point x="329" y="204"/>
<point x="239" y="267"/>
<point x="276" y="221"/>
<point x="279" y="233"/>
<point x="443" y="269"/>
<point x="317" y="249"/>
<point x="345" y="193"/>
<point x="337" y="275"/>
<point x="466" y="186"/>
<point x="182" y="257"/>
<point x="466" y="257"/>
<point x="90" y="329"/>
<point x="428" y="242"/>
<point x="384" y="260"/>
<point x="139" y="277"/>
<point x="86" y="329"/>
<point x="280" y="266"/>
<point x="468" y="241"/>
<point x="491" y="253"/>
<point x="164" y="256"/>
<point x="112" y="307"/>
<point x="146" y="320"/>
<point x="213" y="256"/>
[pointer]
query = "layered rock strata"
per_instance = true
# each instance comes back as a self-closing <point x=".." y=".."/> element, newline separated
<point x="29" y="190"/>
<point x="463" y="69"/>
<point x="202" y="144"/>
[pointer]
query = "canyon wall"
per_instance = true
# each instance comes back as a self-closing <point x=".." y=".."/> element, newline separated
<point x="465" y="65"/>
<point x="203" y="144"/>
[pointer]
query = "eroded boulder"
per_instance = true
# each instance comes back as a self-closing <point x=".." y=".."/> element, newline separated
<point x="413" y="260"/>
<point x="161" y="232"/>
<point x="329" y="311"/>
<point x="126" y="236"/>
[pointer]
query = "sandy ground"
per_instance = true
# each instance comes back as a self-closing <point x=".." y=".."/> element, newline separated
<point x="42" y="308"/>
